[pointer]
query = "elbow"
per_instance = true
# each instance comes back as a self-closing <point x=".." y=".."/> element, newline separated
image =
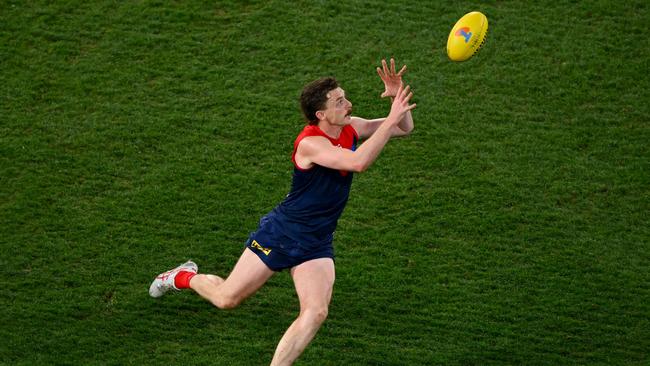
<point x="400" y="131"/>
<point x="360" y="167"/>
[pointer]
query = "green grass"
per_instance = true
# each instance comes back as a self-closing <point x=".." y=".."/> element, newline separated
<point x="510" y="228"/>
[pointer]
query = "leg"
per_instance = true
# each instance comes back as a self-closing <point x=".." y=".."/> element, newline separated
<point x="249" y="274"/>
<point x="314" y="281"/>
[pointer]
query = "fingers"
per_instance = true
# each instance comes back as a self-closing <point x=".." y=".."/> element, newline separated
<point x="381" y="74"/>
<point x="390" y="70"/>
<point x="406" y="101"/>
<point x="404" y="96"/>
<point x="403" y="92"/>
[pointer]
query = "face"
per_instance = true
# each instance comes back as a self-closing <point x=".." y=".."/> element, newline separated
<point x="338" y="108"/>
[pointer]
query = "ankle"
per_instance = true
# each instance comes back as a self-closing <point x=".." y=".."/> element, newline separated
<point x="182" y="279"/>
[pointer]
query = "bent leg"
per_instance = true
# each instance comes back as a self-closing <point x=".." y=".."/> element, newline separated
<point x="314" y="281"/>
<point x="249" y="274"/>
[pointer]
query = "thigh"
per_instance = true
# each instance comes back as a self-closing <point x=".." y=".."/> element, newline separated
<point x="314" y="281"/>
<point x="249" y="274"/>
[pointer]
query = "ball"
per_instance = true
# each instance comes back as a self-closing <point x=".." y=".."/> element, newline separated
<point x="467" y="36"/>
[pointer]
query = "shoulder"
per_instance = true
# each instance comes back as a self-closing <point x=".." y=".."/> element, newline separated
<point x="307" y="131"/>
<point x="312" y="142"/>
<point x="307" y="148"/>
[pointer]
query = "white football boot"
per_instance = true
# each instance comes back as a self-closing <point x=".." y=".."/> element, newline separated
<point x="165" y="281"/>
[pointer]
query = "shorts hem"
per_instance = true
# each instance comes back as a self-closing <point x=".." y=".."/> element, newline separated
<point x="278" y="261"/>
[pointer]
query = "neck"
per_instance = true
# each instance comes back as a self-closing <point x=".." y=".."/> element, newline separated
<point x="331" y="130"/>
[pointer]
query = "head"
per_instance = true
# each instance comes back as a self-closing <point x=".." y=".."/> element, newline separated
<point x="323" y="99"/>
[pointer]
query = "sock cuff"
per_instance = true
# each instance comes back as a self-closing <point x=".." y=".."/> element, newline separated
<point x="182" y="279"/>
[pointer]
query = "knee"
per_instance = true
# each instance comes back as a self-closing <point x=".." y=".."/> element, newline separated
<point x="315" y="315"/>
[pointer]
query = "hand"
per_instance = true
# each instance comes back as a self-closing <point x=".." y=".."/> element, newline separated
<point x="392" y="81"/>
<point x="400" y="105"/>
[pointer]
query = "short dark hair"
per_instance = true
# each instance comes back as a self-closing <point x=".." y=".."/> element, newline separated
<point x="314" y="97"/>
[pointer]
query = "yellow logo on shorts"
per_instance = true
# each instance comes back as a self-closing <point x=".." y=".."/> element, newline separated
<point x="257" y="245"/>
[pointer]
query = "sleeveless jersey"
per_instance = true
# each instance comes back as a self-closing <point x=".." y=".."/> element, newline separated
<point x="310" y="212"/>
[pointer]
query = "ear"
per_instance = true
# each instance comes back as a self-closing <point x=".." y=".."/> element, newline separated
<point x="320" y="115"/>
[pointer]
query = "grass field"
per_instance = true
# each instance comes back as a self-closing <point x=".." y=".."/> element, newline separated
<point x="511" y="228"/>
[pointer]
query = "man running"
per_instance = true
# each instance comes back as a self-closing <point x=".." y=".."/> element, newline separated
<point x="298" y="233"/>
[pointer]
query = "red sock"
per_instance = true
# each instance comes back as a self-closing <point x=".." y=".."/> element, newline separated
<point x="183" y="278"/>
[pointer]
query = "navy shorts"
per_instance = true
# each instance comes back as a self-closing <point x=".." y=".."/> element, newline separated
<point x="280" y="252"/>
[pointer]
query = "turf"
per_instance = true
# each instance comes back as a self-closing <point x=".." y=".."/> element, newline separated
<point x="510" y="228"/>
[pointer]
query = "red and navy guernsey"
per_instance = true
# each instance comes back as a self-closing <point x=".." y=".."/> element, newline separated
<point x="309" y="213"/>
